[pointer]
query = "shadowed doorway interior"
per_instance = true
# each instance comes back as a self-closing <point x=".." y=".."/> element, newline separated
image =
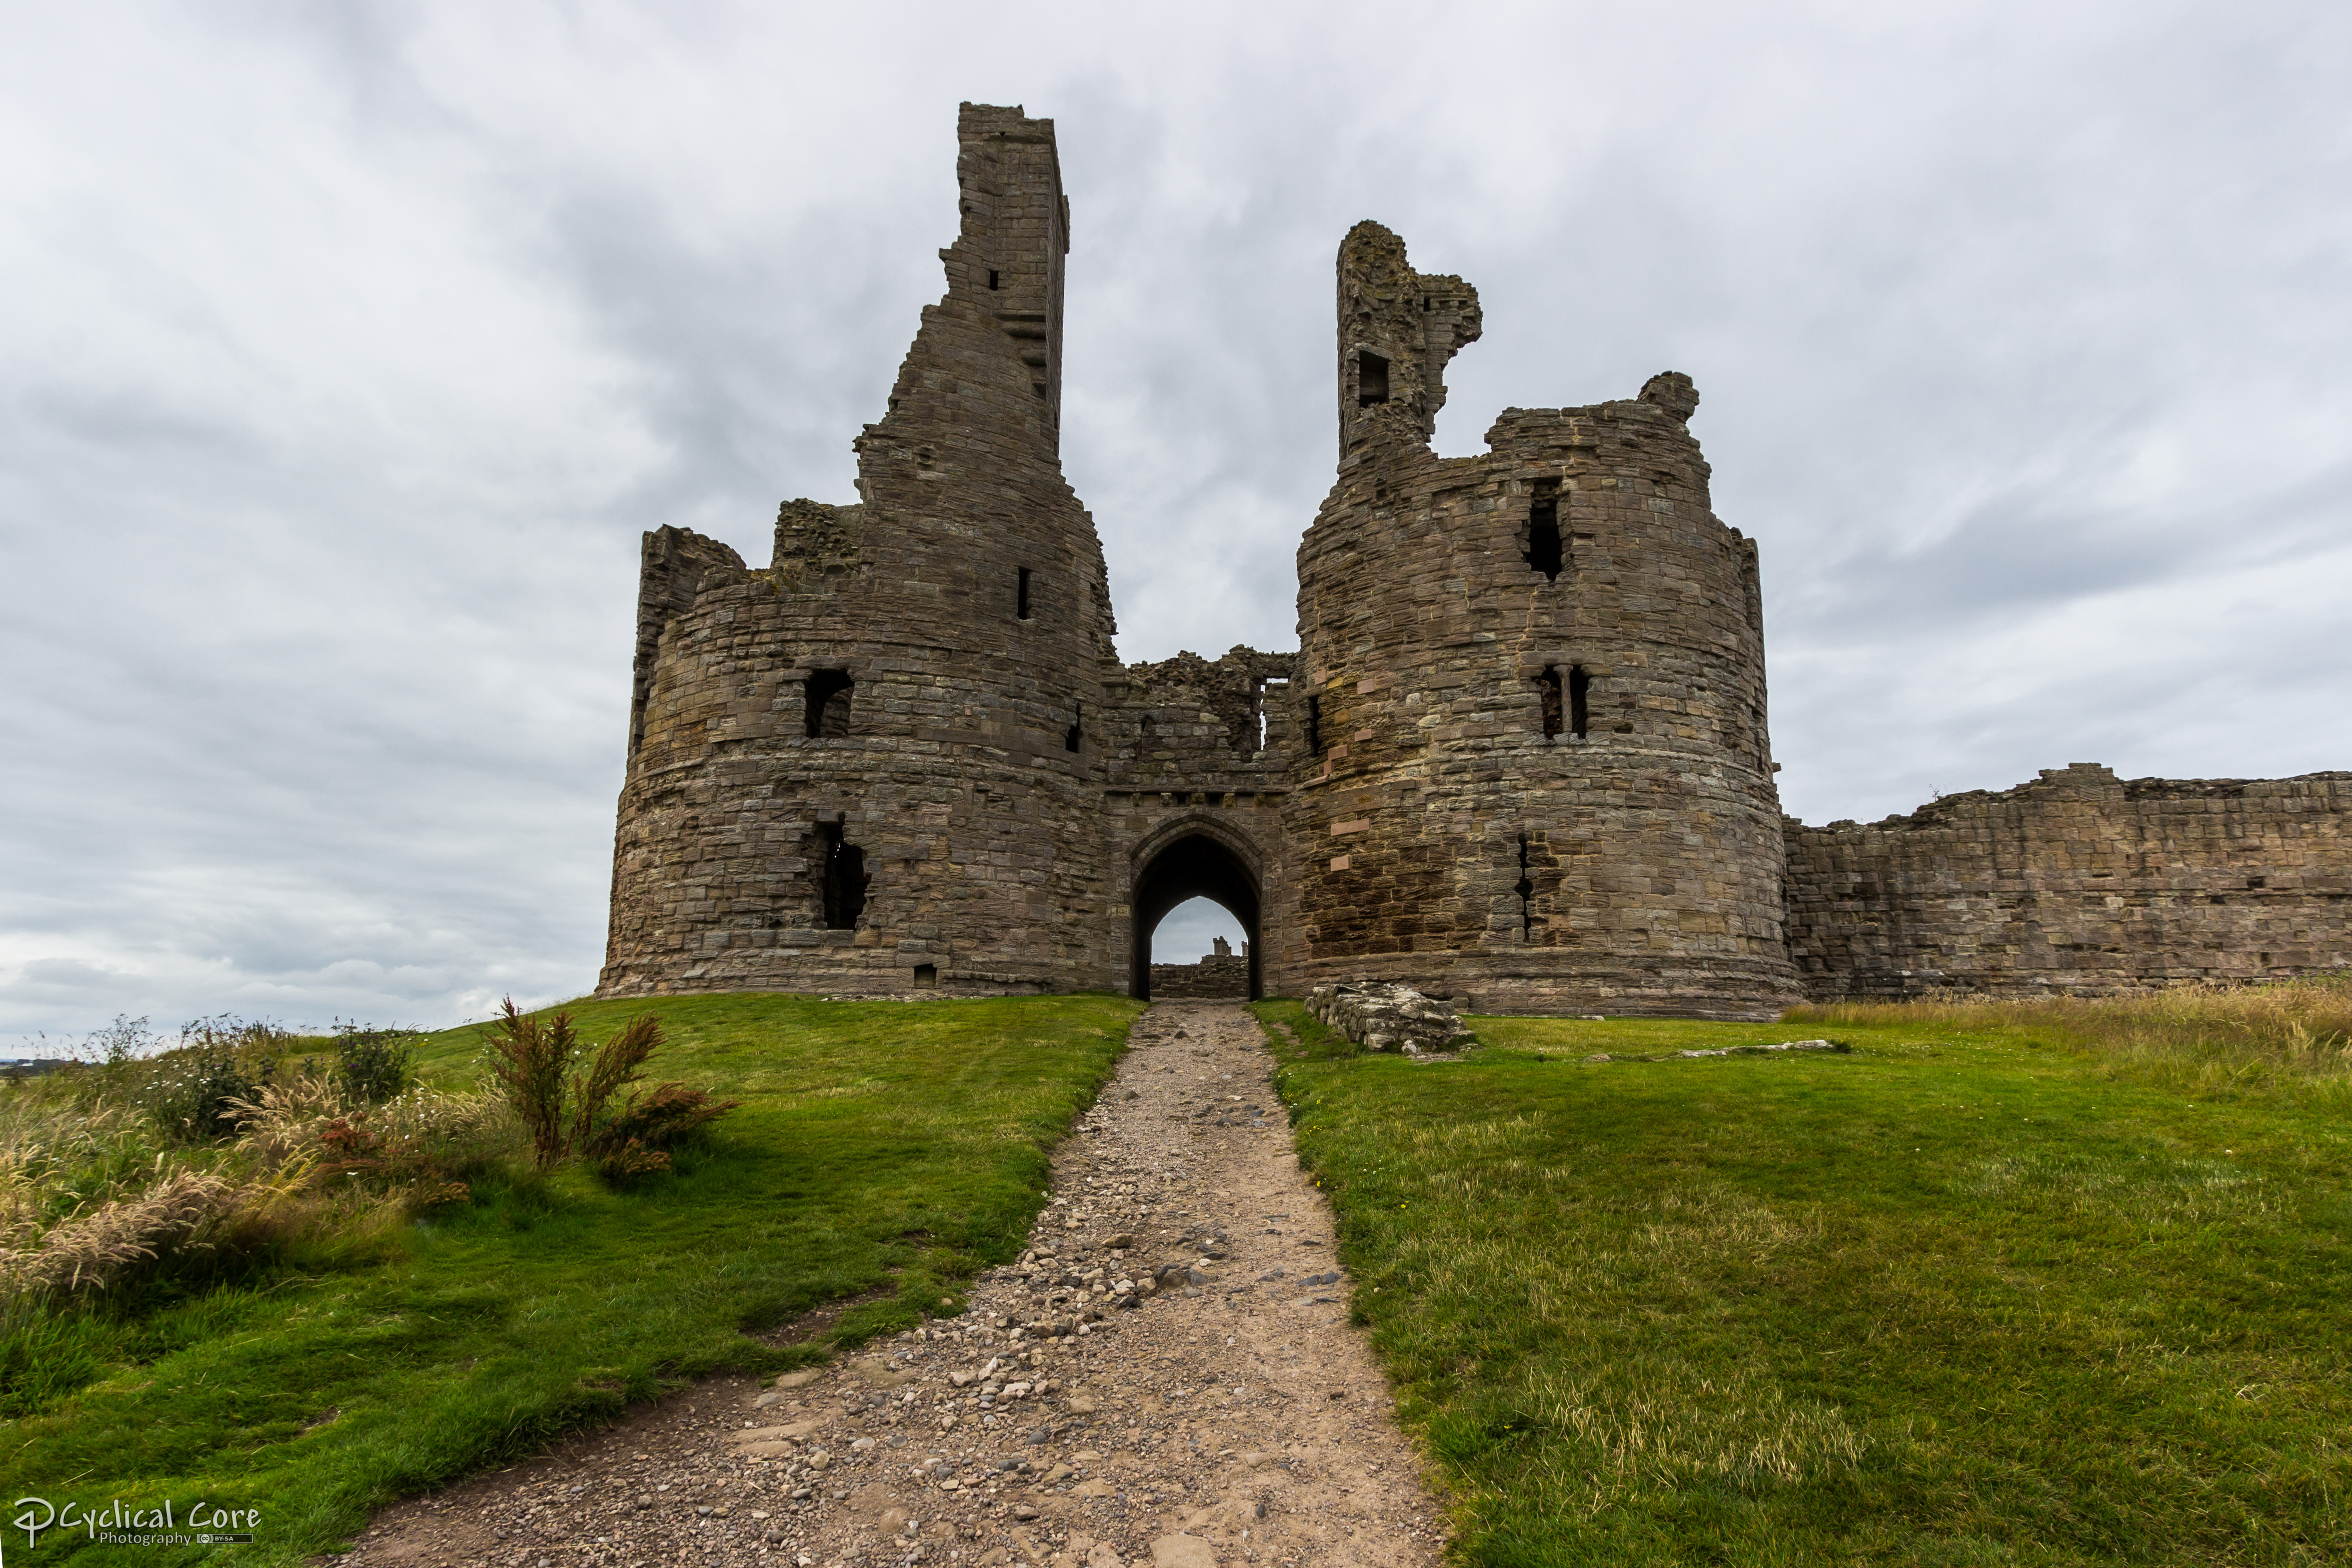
<point x="1193" y="866"/>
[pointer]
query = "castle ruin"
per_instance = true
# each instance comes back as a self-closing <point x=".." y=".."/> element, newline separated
<point x="1519" y="758"/>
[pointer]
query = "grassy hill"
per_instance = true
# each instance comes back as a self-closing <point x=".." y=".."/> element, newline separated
<point x="883" y="1152"/>
<point x="2051" y="1285"/>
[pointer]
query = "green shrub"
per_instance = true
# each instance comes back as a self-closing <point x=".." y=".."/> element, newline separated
<point x="193" y="1093"/>
<point x="374" y="1065"/>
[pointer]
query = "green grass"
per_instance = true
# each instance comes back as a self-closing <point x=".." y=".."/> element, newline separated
<point x="1966" y="1296"/>
<point x="884" y="1151"/>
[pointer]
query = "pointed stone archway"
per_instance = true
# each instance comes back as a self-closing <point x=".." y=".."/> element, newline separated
<point x="1193" y="861"/>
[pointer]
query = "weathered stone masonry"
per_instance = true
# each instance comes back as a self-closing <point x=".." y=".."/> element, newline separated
<point x="1520" y="759"/>
<point x="2078" y="882"/>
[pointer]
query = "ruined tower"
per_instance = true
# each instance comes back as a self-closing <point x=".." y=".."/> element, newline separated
<point x="873" y="766"/>
<point x="1539" y="775"/>
<point x="1520" y="757"/>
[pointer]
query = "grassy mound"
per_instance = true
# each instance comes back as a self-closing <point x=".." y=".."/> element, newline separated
<point x="2050" y="1285"/>
<point x="882" y="1151"/>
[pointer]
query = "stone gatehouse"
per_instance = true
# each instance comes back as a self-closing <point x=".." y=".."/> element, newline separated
<point x="1520" y="756"/>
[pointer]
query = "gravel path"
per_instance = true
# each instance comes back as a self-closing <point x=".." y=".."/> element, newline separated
<point x="1230" y="1416"/>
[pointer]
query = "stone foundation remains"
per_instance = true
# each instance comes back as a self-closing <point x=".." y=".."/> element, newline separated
<point x="1520" y="759"/>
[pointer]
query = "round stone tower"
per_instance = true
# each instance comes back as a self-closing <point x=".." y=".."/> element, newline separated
<point x="869" y="768"/>
<point x="1536" y="773"/>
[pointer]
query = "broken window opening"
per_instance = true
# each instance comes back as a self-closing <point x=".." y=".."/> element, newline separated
<point x="1549" y="685"/>
<point x="1579" y="702"/>
<point x="828" y="703"/>
<point x="1265" y="722"/>
<point x="1372" y="380"/>
<point x="1020" y="599"/>
<point x="927" y="976"/>
<point x="1313" y="722"/>
<point x="1071" y="737"/>
<point x="1526" y="889"/>
<point x="843" y="879"/>
<point x="1544" y="552"/>
<point x="991" y="278"/>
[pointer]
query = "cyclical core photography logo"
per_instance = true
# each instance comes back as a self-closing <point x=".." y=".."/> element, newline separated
<point x="121" y="1524"/>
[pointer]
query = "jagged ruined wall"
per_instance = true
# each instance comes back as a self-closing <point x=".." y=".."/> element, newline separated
<point x="869" y="766"/>
<point x="1521" y="757"/>
<point x="1540" y="778"/>
<point x="1203" y="754"/>
<point x="1210" y="978"/>
<point x="2078" y="882"/>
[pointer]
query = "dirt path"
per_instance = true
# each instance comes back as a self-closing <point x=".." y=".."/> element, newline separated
<point x="1231" y="1417"/>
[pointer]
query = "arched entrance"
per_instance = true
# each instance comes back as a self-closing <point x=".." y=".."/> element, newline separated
<point x="1192" y="863"/>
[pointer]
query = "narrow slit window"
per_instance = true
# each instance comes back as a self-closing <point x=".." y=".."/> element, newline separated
<point x="841" y="877"/>
<point x="1074" y="736"/>
<point x="1021" y="596"/>
<point x="991" y="279"/>
<point x="1544" y="552"/>
<point x="1549" y="685"/>
<point x="1525" y="888"/>
<point x="1579" y="702"/>
<point x="828" y="703"/>
<point x="1372" y="380"/>
<point x="1314" y="723"/>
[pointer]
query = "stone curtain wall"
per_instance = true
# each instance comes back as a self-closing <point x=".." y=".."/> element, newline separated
<point x="1208" y="977"/>
<point x="2078" y="882"/>
<point x="1542" y="781"/>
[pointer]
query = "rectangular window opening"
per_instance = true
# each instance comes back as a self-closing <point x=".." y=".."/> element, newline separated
<point x="991" y="278"/>
<point x="1579" y="702"/>
<point x="1544" y="552"/>
<point x="927" y="976"/>
<point x="1021" y="596"/>
<point x="1314" y="723"/>
<point x="1372" y="380"/>
<point x="1549" y="685"/>
<point x="828" y="703"/>
<point x="841" y="877"/>
<point x="1073" y="736"/>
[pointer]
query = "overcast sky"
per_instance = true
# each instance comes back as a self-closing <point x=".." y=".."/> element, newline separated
<point x="346" y="349"/>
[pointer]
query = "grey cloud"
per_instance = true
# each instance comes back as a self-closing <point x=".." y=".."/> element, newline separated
<point x="350" y="350"/>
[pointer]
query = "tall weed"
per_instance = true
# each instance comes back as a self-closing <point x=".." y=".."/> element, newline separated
<point x="529" y="1057"/>
<point x="581" y="1120"/>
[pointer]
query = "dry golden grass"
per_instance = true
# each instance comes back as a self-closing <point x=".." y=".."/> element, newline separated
<point x="93" y="1195"/>
<point x="2290" y="1033"/>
